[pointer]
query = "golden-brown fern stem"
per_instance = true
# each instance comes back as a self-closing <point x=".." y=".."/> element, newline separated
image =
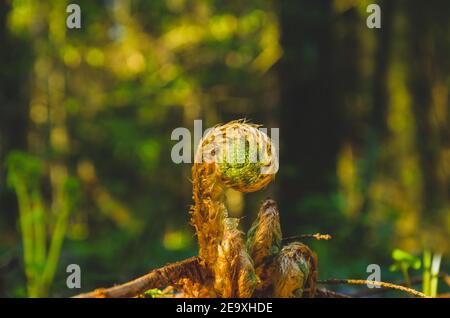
<point x="208" y="211"/>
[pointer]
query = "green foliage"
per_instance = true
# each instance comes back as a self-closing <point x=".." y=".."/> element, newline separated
<point x="430" y="268"/>
<point x="25" y="173"/>
<point x="403" y="262"/>
<point x="24" y="170"/>
<point x="154" y="293"/>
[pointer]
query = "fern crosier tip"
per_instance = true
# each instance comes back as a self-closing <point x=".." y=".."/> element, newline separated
<point x="245" y="156"/>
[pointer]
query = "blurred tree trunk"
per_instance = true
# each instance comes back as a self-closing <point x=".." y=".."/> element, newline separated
<point x="429" y="68"/>
<point x="309" y="120"/>
<point x="14" y="65"/>
<point x="368" y="132"/>
<point x="15" y="62"/>
<point x="377" y="120"/>
<point x="382" y="56"/>
<point x="350" y="36"/>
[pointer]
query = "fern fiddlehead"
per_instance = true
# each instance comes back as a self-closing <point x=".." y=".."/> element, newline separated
<point x="236" y="155"/>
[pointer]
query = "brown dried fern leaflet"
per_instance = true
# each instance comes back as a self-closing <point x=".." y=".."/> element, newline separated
<point x="264" y="244"/>
<point x="234" y="272"/>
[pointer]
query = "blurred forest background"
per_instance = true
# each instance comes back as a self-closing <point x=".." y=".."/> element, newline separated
<point x="86" y="117"/>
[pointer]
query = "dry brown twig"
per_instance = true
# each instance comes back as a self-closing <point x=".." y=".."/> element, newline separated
<point x="373" y="283"/>
<point x="375" y="291"/>
<point x="317" y="236"/>
<point x="158" y="278"/>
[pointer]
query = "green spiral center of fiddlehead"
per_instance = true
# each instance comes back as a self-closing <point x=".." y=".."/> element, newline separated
<point x="244" y="155"/>
<point x="237" y="167"/>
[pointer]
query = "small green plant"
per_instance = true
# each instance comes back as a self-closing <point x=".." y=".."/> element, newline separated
<point x="430" y="264"/>
<point x="154" y="293"/>
<point x="43" y="229"/>
<point x="403" y="262"/>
